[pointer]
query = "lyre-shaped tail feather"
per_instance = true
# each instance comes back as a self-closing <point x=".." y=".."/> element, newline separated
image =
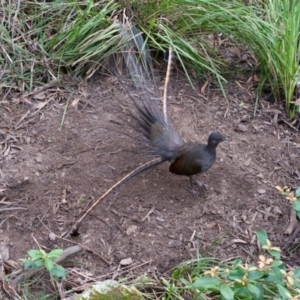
<point x="137" y="57"/>
<point x="137" y="60"/>
<point x="164" y="140"/>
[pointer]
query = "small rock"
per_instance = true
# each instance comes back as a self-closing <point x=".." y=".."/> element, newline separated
<point x="174" y="244"/>
<point x="241" y="128"/>
<point x="126" y="261"/>
<point x="5" y="253"/>
<point x="244" y="118"/>
<point x="52" y="236"/>
<point x="39" y="158"/>
<point x="131" y="229"/>
<point x="261" y="191"/>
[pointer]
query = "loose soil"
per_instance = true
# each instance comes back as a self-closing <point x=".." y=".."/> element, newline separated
<point x="60" y="157"/>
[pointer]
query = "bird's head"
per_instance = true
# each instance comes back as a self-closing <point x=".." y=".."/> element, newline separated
<point x="215" y="139"/>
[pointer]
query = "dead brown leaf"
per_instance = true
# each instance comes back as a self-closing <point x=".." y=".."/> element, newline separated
<point x="205" y="85"/>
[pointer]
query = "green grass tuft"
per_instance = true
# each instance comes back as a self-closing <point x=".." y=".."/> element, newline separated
<point x="39" y="40"/>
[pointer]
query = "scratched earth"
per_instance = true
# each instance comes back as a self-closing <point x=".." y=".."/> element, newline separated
<point x="61" y="151"/>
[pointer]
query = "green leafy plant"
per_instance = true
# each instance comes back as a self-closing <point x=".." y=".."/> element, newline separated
<point x="294" y="197"/>
<point x="39" y="259"/>
<point x="205" y="278"/>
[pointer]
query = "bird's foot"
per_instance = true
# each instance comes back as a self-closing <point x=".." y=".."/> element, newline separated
<point x="202" y="187"/>
<point x="193" y="192"/>
<point x="201" y="191"/>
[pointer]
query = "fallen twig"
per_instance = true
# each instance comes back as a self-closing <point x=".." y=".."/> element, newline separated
<point x="40" y="88"/>
<point x="12" y="208"/>
<point x="293" y="222"/>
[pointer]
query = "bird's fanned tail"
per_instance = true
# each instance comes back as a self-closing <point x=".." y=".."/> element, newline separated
<point x="157" y="129"/>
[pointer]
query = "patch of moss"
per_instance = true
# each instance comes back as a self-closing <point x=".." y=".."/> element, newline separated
<point x="110" y="290"/>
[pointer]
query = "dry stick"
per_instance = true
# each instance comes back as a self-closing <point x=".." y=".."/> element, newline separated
<point x="12" y="208"/>
<point x="142" y="168"/>
<point x="65" y="112"/>
<point x="166" y="85"/>
<point x="40" y="88"/>
<point x="291" y="239"/>
<point x="293" y="222"/>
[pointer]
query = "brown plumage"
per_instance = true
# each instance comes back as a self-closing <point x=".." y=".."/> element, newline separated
<point x="185" y="158"/>
<point x="161" y="139"/>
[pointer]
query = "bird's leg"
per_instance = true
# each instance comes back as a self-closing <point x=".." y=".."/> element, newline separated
<point x="200" y="185"/>
<point x="192" y="190"/>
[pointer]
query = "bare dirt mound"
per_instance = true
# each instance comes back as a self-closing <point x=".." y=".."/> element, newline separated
<point x="50" y="174"/>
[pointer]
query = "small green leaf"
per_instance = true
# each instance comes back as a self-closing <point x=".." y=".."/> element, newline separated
<point x="32" y="264"/>
<point x="241" y="292"/>
<point x="255" y="291"/>
<point x="278" y="264"/>
<point x="37" y="263"/>
<point x="275" y="254"/>
<point x="284" y="293"/>
<point x="35" y="254"/>
<point x="226" y="292"/>
<point x="262" y="237"/>
<point x="237" y="273"/>
<point x="206" y="283"/>
<point x="277" y="271"/>
<point x="275" y="275"/>
<point x="58" y="271"/>
<point x="297" y="192"/>
<point x="55" y="253"/>
<point x="28" y="264"/>
<point x="237" y="262"/>
<point x="296" y="205"/>
<point x="49" y="264"/>
<point x="296" y="284"/>
<point x="296" y="273"/>
<point x="271" y="278"/>
<point x="254" y="275"/>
